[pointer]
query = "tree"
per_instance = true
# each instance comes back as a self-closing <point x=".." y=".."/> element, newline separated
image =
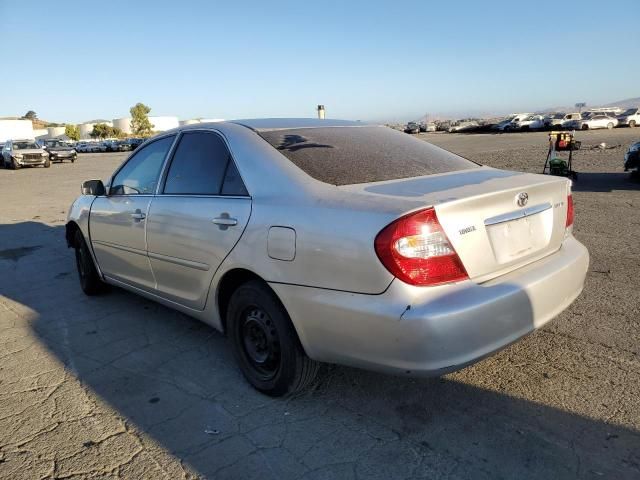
<point x="102" y="130"/>
<point x="30" y="115"/>
<point x="72" y="132"/>
<point x="140" y="124"/>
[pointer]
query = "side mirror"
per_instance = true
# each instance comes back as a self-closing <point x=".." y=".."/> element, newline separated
<point x="93" y="187"/>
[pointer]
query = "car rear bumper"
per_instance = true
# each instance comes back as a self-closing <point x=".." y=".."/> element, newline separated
<point x="434" y="330"/>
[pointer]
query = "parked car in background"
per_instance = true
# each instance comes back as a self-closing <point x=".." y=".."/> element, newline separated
<point x="500" y="126"/>
<point x="515" y="121"/>
<point x="412" y="127"/>
<point x="123" y="146"/>
<point x="23" y="153"/>
<point x="313" y="241"/>
<point x="111" y="145"/>
<point x="528" y="123"/>
<point x="593" y="121"/>
<point x="558" y="119"/>
<point x="629" y="118"/>
<point x="632" y="159"/>
<point x="460" y="127"/>
<point x="90" y="147"/>
<point x="60" y="151"/>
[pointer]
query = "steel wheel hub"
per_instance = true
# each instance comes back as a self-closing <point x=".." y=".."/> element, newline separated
<point x="261" y="343"/>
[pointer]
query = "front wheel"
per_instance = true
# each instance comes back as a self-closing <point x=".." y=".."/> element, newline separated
<point x="89" y="279"/>
<point x="609" y="126"/>
<point x="265" y="343"/>
<point x="47" y="163"/>
<point x="632" y="123"/>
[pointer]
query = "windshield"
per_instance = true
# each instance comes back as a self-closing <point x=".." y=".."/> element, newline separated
<point x="559" y="115"/>
<point x="54" y="143"/>
<point x="24" y="145"/>
<point x="348" y="155"/>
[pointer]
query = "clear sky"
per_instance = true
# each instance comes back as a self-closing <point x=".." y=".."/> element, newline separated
<point x="75" y="61"/>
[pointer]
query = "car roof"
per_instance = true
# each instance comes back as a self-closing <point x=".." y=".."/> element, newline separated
<point x="265" y="124"/>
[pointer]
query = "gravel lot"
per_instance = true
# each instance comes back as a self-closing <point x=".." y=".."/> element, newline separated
<point x="119" y="387"/>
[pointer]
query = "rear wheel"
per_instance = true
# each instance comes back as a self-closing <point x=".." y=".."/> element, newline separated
<point x="265" y="343"/>
<point x="585" y="127"/>
<point x="87" y="272"/>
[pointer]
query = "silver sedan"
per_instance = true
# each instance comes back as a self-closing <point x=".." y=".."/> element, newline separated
<point x="310" y="241"/>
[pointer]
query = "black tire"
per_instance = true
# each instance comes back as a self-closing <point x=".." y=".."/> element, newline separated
<point x="47" y="163"/>
<point x="585" y="127"/>
<point x="73" y="159"/>
<point x="89" y="279"/>
<point x="265" y="344"/>
<point x="14" y="164"/>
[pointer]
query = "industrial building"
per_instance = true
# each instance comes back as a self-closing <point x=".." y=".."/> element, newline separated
<point x="24" y="128"/>
<point x="10" y="129"/>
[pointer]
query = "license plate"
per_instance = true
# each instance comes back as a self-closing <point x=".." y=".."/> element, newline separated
<point x="521" y="237"/>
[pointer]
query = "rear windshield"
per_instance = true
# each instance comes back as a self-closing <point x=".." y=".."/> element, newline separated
<point x="348" y="155"/>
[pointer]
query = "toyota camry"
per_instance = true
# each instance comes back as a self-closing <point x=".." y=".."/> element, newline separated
<point x="310" y="241"/>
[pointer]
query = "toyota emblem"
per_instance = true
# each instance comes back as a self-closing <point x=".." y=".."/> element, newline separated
<point x="522" y="199"/>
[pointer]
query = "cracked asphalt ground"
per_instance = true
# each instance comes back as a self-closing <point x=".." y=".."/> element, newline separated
<point x="119" y="387"/>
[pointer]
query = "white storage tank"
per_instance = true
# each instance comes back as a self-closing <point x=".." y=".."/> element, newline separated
<point x="160" y="124"/>
<point x="40" y="133"/>
<point x="189" y="122"/>
<point x="123" y="124"/>
<point x="85" y="130"/>
<point x="55" y="132"/>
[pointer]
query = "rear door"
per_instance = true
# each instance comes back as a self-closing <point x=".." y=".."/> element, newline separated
<point x="118" y="220"/>
<point x="197" y="219"/>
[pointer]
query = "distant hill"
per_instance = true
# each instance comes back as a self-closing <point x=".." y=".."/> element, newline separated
<point x="37" y="123"/>
<point x="628" y="103"/>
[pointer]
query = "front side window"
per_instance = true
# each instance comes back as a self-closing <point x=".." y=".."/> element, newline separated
<point x="202" y="165"/>
<point x="140" y="174"/>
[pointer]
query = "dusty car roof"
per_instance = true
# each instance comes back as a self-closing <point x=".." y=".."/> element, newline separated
<point x="265" y="124"/>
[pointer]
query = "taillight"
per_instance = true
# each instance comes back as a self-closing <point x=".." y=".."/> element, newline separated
<point x="415" y="249"/>
<point x="569" y="211"/>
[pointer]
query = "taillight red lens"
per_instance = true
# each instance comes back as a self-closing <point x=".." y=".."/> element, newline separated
<point x="569" y="210"/>
<point x="415" y="249"/>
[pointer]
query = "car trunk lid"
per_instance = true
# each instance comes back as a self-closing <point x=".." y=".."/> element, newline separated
<point x="496" y="220"/>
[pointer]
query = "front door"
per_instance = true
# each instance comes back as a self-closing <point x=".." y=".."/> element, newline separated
<point x="197" y="218"/>
<point x="118" y="221"/>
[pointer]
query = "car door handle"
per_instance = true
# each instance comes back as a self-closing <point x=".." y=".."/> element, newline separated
<point x="138" y="216"/>
<point x="225" y="221"/>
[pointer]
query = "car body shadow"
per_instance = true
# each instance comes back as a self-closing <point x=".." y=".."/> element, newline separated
<point x="605" y="182"/>
<point x="175" y="379"/>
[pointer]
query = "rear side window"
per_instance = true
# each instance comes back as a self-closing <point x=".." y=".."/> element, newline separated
<point x="348" y="155"/>
<point x="202" y="165"/>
